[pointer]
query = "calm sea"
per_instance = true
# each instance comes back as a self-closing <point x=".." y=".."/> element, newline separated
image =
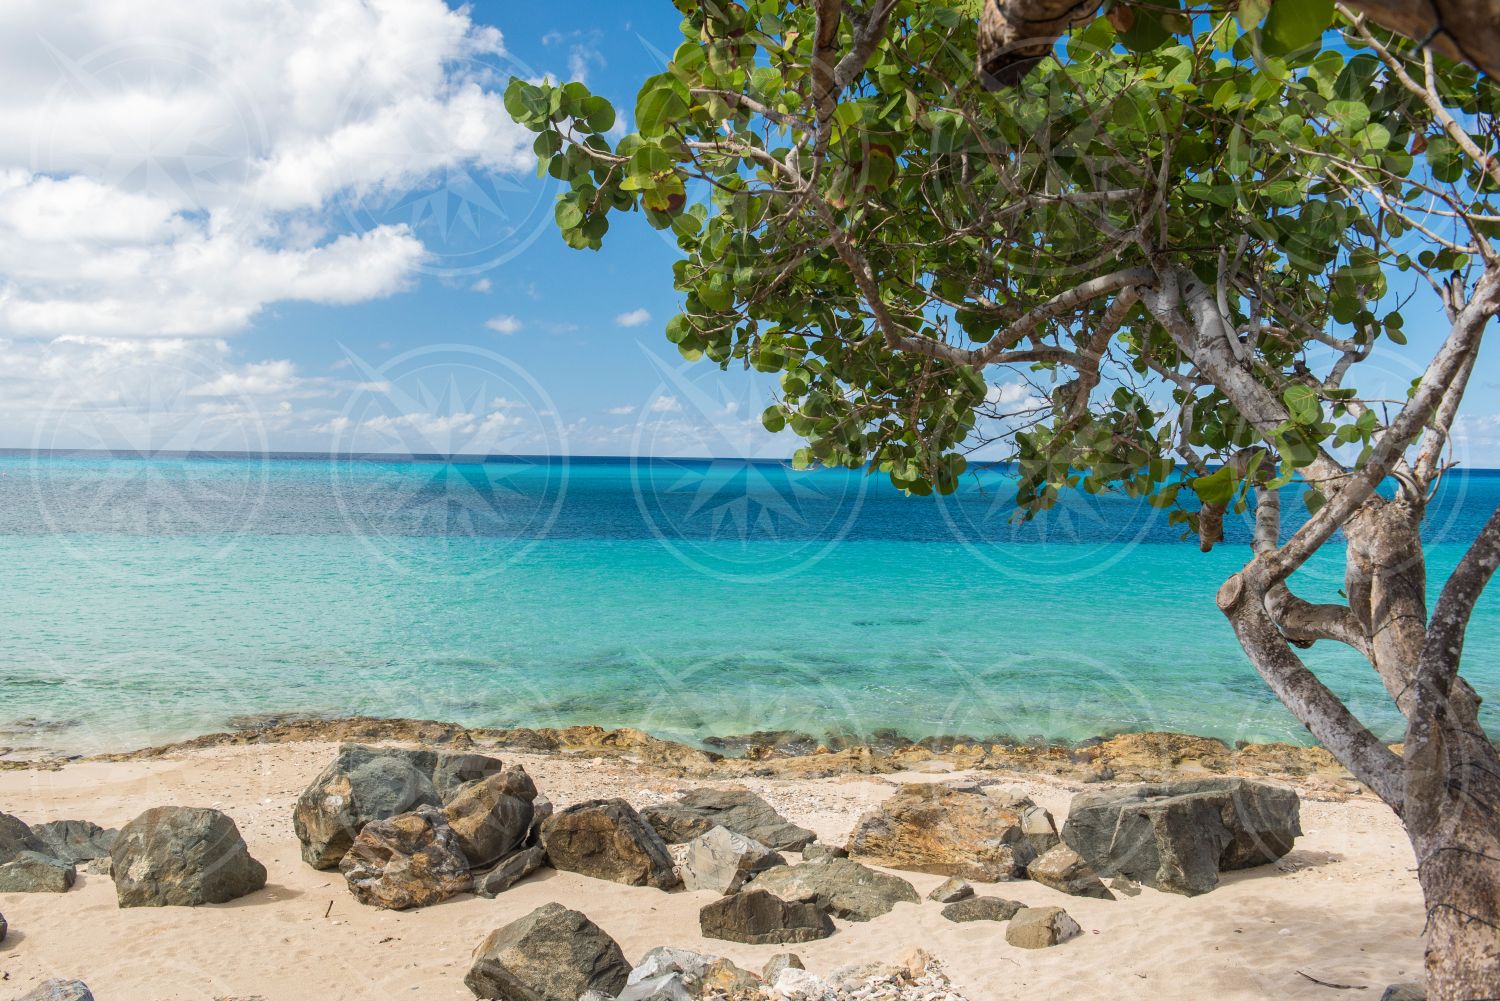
<point x="145" y="599"/>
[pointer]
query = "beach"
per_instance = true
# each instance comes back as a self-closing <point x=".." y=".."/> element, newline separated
<point x="1343" y="907"/>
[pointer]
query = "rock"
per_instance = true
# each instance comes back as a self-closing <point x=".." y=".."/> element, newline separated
<point x="724" y="979"/>
<point x="756" y="917"/>
<point x="1178" y="836"/>
<point x="100" y="866"/>
<point x="722" y="861"/>
<point x="491" y="816"/>
<point x="33" y="872"/>
<point x="1413" y="990"/>
<point x="541" y="809"/>
<point x="797" y="983"/>
<point x="16" y="837"/>
<point x="822" y="853"/>
<point x="409" y="860"/>
<point x="700" y="810"/>
<point x="777" y="963"/>
<point x="365" y="783"/>
<point x="75" y="841"/>
<point x="950" y="890"/>
<point x="667" y="987"/>
<point x="1040" y="927"/>
<point x="1065" y="871"/>
<point x="510" y="871"/>
<point x="1125" y="887"/>
<point x="552" y="954"/>
<point x="982" y="909"/>
<point x="182" y="856"/>
<point x="58" y="990"/>
<point x="665" y="960"/>
<point x="607" y="839"/>
<point x="842" y="887"/>
<point x="3" y="927"/>
<point x="1011" y="799"/>
<point x="1040" y="829"/>
<point x="942" y="830"/>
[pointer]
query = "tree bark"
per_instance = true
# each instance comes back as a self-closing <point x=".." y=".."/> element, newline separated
<point x="1015" y="35"/>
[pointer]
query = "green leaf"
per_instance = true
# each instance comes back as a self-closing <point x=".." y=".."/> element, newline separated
<point x="599" y="114"/>
<point x="1295" y="24"/>
<point x="1302" y="403"/>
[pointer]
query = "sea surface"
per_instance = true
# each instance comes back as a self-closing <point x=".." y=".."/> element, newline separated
<point x="144" y="599"/>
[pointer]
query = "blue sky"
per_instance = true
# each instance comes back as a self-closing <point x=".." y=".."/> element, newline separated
<point x="316" y="230"/>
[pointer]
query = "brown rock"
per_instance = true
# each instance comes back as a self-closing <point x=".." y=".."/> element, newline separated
<point x="409" y="860"/>
<point x="1040" y="927"/>
<point x="982" y="909"/>
<point x="552" y="954"/>
<point x="937" y="829"/>
<point x="490" y="817"/>
<point x="1065" y="871"/>
<point x="607" y="839"/>
<point x="756" y="917"/>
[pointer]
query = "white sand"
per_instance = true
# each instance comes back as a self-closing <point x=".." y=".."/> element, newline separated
<point x="1343" y="907"/>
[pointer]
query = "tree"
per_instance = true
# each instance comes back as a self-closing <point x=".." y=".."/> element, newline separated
<point x="1015" y="35"/>
<point x="1189" y="234"/>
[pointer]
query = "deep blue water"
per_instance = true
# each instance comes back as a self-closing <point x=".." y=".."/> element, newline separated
<point x="151" y="598"/>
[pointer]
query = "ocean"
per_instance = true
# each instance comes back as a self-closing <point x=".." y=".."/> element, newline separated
<point x="146" y="599"/>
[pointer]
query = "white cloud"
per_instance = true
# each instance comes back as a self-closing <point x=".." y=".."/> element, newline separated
<point x="665" y="405"/>
<point x="503" y="324"/>
<point x="481" y="286"/>
<point x="1015" y="395"/>
<point x="634" y="318"/>
<point x="621" y="411"/>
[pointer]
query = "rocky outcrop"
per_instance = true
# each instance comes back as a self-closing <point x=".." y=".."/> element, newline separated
<point x="842" y="887"/>
<point x="756" y="917"/>
<point x="982" y="909"/>
<point x="33" y="872"/>
<point x="1040" y="927"/>
<point x="607" y="839"/>
<point x="700" y="810"/>
<point x="950" y="890"/>
<point x="409" y="860"/>
<point x="552" y="954"/>
<point x="74" y="841"/>
<point x="1066" y="872"/>
<point x="1178" y="836"/>
<point x="365" y="783"/>
<point x="940" y="829"/>
<point x="509" y="872"/>
<point x="182" y="856"/>
<point x="58" y="990"/>
<point x="491" y="816"/>
<point x="722" y="861"/>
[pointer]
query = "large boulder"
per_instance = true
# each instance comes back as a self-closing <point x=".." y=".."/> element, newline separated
<point x="1040" y="927"/>
<point x="182" y="856"/>
<point x="75" y="841"/>
<point x="491" y="816"/>
<point x="510" y="871"/>
<point x="1064" y="870"/>
<point x="409" y="860"/>
<point x="699" y="811"/>
<point x="365" y="783"/>
<point x="722" y="861"/>
<point x="16" y="837"/>
<point x="1178" y="836"/>
<point x="33" y="872"/>
<point x="552" y="954"/>
<point x="842" y="887"/>
<point x="933" y="828"/>
<point x="757" y="917"/>
<point x="607" y="839"/>
<point x="58" y="990"/>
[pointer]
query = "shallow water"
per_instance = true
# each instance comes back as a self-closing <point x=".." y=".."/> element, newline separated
<point x="148" y="599"/>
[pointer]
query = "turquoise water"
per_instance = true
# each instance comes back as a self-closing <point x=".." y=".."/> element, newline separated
<point x="149" y="599"/>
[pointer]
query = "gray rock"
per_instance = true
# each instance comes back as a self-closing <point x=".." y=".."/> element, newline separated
<point x="665" y="959"/>
<point x="756" y="917"/>
<point x="982" y="909"/>
<point x="841" y="887"/>
<point x="1040" y="829"/>
<point x="510" y="871"/>
<point x="1065" y="871"/>
<point x="1178" y="836"/>
<point x="33" y="872"/>
<point x="100" y="866"/>
<point x="1412" y="990"/>
<point x="541" y="809"/>
<point x="75" y="841"/>
<point x="722" y="861"/>
<point x="951" y="890"/>
<point x="777" y="963"/>
<point x="491" y="816"/>
<point x="667" y="987"/>
<point x="365" y="783"/>
<point x="1040" y="927"/>
<point x="409" y="860"/>
<point x="58" y="990"/>
<point x="700" y="810"/>
<point x="607" y="839"/>
<point x="1125" y="887"/>
<point x="182" y="856"/>
<point x="16" y="837"/>
<point x="552" y="954"/>
<point x="822" y="853"/>
<point x="4" y="928"/>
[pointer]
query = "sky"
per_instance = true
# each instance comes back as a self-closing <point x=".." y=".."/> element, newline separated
<point x="310" y="226"/>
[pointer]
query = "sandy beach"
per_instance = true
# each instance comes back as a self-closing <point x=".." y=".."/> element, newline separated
<point x="1343" y="907"/>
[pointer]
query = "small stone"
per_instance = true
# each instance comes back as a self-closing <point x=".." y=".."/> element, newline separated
<point x="33" y="872"/>
<point x="798" y="983"/>
<point x="950" y="890"/>
<point x="1125" y="886"/>
<point x="667" y="987"/>
<point x="552" y="954"/>
<point x="1063" y="870"/>
<point x="665" y="959"/>
<point x="777" y="963"/>
<point x="1412" y="990"/>
<point x="823" y="853"/>
<point x="724" y="978"/>
<point x="3" y="927"/>
<point x="756" y="917"/>
<point x="722" y="861"/>
<point x="1040" y="927"/>
<point x="510" y="871"/>
<point x="982" y="909"/>
<point x="58" y="990"/>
